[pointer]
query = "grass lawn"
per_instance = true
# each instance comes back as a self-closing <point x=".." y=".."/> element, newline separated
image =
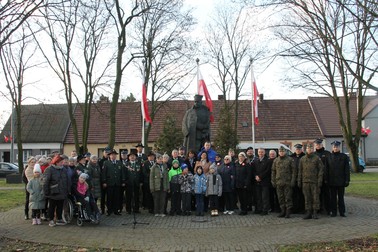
<point x="3" y="183"/>
<point x="363" y="185"/>
<point x="11" y="198"/>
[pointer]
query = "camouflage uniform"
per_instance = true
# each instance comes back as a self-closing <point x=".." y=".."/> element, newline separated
<point x="310" y="178"/>
<point x="283" y="179"/>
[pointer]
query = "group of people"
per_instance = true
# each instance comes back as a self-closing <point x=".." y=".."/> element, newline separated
<point x="305" y="182"/>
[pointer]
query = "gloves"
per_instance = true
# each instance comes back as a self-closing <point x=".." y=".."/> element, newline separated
<point x="86" y="199"/>
<point x="346" y="183"/>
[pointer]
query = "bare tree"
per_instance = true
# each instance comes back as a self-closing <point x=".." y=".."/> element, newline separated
<point x="122" y="22"/>
<point x="231" y="39"/>
<point x="77" y="24"/>
<point x="16" y="61"/>
<point x="167" y="51"/>
<point x="13" y="15"/>
<point x="334" y="54"/>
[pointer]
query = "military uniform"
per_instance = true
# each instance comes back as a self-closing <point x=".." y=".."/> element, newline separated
<point x="134" y="178"/>
<point x="324" y="195"/>
<point x="298" y="197"/>
<point x="114" y="177"/>
<point x="310" y="178"/>
<point x="283" y="179"/>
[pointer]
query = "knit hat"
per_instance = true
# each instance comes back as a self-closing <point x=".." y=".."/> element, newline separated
<point x="175" y="161"/>
<point x="37" y="168"/>
<point x="83" y="175"/>
<point x="184" y="166"/>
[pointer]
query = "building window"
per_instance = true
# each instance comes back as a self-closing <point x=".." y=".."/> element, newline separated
<point x="26" y="154"/>
<point x="45" y="152"/>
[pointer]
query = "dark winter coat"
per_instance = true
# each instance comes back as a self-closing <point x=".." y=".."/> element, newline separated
<point x="56" y="183"/>
<point x="262" y="168"/>
<point x="227" y="173"/>
<point x="243" y="173"/>
<point x="339" y="171"/>
<point x="94" y="173"/>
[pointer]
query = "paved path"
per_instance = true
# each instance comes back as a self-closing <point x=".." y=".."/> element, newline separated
<point x="184" y="233"/>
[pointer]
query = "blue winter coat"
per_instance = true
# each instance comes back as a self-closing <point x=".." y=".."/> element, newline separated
<point x="199" y="184"/>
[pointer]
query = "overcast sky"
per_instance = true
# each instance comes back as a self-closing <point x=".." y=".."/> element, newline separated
<point x="268" y="81"/>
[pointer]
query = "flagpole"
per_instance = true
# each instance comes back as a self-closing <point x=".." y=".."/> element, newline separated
<point x="197" y="60"/>
<point x="11" y="136"/>
<point x="143" y="121"/>
<point x="253" y="107"/>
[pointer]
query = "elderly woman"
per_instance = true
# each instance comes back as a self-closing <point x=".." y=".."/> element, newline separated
<point x="242" y="181"/>
<point x="94" y="172"/>
<point x="56" y="189"/>
<point x="27" y="175"/>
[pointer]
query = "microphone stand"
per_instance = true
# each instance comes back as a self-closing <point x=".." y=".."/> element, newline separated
<point x="135" y="222"/>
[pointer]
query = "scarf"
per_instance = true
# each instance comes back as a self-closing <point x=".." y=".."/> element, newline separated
<point x="82" y="188"/>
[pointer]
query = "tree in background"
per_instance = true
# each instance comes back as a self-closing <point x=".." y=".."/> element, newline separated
<point x="77" y="32"/>
<point x="232" y="41"/>
<point x="16" y="61"/>
<point x="332" y="47"/>
<point x="225" y="140"/>
<point x="162" y="36"/>
<point x="171" y="137"/>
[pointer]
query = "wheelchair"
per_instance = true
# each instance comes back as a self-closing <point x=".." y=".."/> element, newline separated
<point x="74" y="209"/>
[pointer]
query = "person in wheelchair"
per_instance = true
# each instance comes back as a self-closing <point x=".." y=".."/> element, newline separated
<point x="83" y="195"/>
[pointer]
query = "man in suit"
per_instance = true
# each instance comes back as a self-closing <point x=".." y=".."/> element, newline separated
<point x="134" y="179"/>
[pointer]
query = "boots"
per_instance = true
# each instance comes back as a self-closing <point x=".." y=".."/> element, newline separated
<point x="307" y="215"/>
<point x="34" y="221"/>
<point x="282" y="214"/>
<point x="288" y="212"/>
<point x="315" y="214"/>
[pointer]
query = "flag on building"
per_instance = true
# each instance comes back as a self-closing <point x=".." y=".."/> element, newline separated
<point x="255" y="103"/>
<point x="202" y="90"/>
<point x="145" y="114"/>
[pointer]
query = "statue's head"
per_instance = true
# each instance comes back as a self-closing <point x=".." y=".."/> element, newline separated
<point x="197" y="100"/>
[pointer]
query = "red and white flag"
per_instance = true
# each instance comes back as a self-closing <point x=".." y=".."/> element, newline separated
<point x="255" y="103"/>
<point x="145" y="114"/>
<point x="202" y="90"/>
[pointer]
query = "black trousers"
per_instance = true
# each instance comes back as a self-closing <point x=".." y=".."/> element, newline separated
<point x="27" y="195"/>
<point x="148" y="201"/>
<point x="103" y="199"/>
<point x="175" y="203"/>
<point x="325" y="199"/>
<point x="112" y="198"/>
<point x="228" y="201"/>
<point x="262" y="198"/>
<point x="213" y="200"/>
<point x="243" y="200"/>
<point x="55" y="206"/>
<point x="132" y="198"/>
<point x="337" y="199"/>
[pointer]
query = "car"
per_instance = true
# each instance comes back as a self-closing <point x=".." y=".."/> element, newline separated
<point x="361" y="164"/>
<point x="8" y="168"/>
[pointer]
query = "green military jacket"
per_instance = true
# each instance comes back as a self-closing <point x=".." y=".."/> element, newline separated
<point x="311" y="170"/>
<point x="113" y="174"/>
<point x="134" y="173"/>
<point x="283" y="172"/>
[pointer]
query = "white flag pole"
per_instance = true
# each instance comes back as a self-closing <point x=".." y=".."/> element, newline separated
<point x="143" y="121"/>
<point x="253" y="106"/>
<point x="197" y="60"/>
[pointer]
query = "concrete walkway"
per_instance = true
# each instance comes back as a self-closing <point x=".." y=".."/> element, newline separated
<point x="190" y="233"/>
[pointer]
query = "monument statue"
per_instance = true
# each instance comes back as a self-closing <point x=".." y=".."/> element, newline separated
<point x="196" y="125"/>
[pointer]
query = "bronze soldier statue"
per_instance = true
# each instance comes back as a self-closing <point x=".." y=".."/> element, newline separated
<point x="196" y="125"/>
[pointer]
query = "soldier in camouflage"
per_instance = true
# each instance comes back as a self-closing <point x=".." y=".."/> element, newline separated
<point x="310" y="178"/>
<point x="283" y="179"/>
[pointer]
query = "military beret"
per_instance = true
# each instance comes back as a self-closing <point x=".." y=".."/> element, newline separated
<point x="336" y="143"/>
<point x="88" y="154"/>
<point x="124" y="152"/>
<point x="310" y="145"/>
<point x="298" y="146"/>
<point x="318" y="141"/>
<point x="249" y="148"/>
<point x="80" y="157"/>
<point x="282" y="148"/>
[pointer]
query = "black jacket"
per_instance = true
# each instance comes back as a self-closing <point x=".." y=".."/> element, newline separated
<point x="338" y="171"/>
<point x="263" y="169"/>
